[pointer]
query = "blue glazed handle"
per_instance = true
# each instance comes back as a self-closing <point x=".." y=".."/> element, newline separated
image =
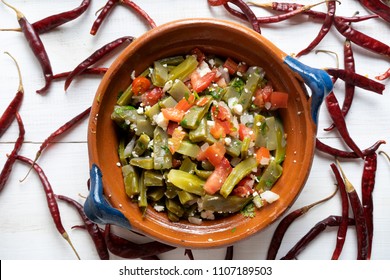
<point x="317" y="80"/>
<point x="97" y="208"/>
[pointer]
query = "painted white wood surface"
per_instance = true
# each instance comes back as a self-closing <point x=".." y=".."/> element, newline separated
<point x="26" y="228"/>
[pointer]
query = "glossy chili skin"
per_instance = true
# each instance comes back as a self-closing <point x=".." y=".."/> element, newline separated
<point x="327" y="24"/>
<point x="344" y="219"/>
<point x="368" y="184"/>
<point x="91" y="71"/>
<point x="330" y="221"/>
<point x="285" y="223"/>
<point x="339" y="121"/>
<point x="377" y="7"/>
<point x="10" y="112"/>
<point x="321" y="146"/>
<point x="349" y="65"/>
<point x="361" y="39"/>
<point x="129" y="250"/>
<point x="63" y="129"/>
<point x="6" y="171"/>
<point x="96" y="56"/>
<point x="53" y="21"/>
<point x="356" y="79"/>
<point x="102" y="15"/>
<point x="139" y="11"/>
<point x="92" y="228"/>
<point x="247" y="12"/>
<point x="38" y="49"/>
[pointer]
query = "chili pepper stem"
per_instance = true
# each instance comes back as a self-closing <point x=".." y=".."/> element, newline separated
<point x="20" y="88"/>
<point x="330" y="52"/>
<point x="385" y="154"/>
<point x="19" y="14"/>
<point x="308" y="207"/>
<point x="67" y="238"/>
<point x="11" y="29"/>
<point x="32" y="166"/>
<point x="348" y="185"/>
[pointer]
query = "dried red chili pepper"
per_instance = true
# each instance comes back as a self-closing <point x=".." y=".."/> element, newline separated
<point x="356" y="79"/>
<point x="285" y="223"/>
<point x="361" y="39"/>
<point x="368" y="184"/>
<point x="129" y="250"/>
<point x="139" y="11"/>
<point x="49" y="23"/>
<point x="328" y="22"/>
<point x="6" y="171"/>
<point x="344" y="154"/>
<point x="50" y="198"/>
<point x="331" y="221"/>
<point x="377" y="7"/>
<point x="10" y="112"/>
<point x="287" y="7"/>
<point x="349" y="65"/>
<point x="343" y="227"/>
<point x="384" y="76"/>
<point x="91" y="71"/>
<point x="96" y="56"/>
<point x="103" y="14"/>
<point x="338" y="119"/>
<point x="92" y="228"/>
<point x="58" y="132"/>
<point x="110" y="5"/>
<point x="53" y="21"/>
<point x="246" y="10"/>
<point x="361" y="223"/>
<point x="36" y="46"/>
<point x="229" y="252"/>
<point x="282" y="17"/>
<point x="189" y="254"/>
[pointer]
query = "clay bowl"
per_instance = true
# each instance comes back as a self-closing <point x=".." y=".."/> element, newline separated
<point x="226" y="39"/>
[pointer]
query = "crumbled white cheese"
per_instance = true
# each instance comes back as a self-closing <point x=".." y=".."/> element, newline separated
<point x="207" y="214"/>
<point x="269" y="196"/>
<point x="161" y="121"/>
<point x="228" y="141"/>
<point x="159" y="208"/>
<point x="232" y="102"/>
<point x="238" y="109"/>
<point x="140" y="110"/>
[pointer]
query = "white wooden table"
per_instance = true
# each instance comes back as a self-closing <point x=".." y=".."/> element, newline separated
<point x="26" y="228"/>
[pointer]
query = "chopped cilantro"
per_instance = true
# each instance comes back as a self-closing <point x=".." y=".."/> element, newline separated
<point x="249" y="210"/>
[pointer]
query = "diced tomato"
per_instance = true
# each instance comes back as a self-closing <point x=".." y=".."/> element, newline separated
<point x="214" y="153"/>
<point x="244" y="131"/>
<point x="242" y="67"/>
<point x="244" y="188"/>
<point x="151" y="97"/>
<point x="230" y="65"/>
<point x="173" y="114"/>
<point x="220" y="112"/>
<point x="140" y="85"/>
<point x="200" y="56"/>
<point x="177" y="137"/>
<point x="200" y="83"/>
<point x="186" y="103"/>
<point x="203" y="101"/>
<point x="263" y="156"/>
<point x="262" y="95"/>
<point x="218" y="177"/>
<point x="171" y="127"/>
<point x="278" y="100"/>
<point x="217" y="130"/>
